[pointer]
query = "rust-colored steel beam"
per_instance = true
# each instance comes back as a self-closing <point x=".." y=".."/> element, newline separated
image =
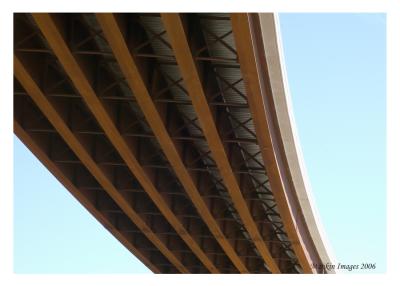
<point x="80" y="196"/>
<point x="62" y="128"/>
<point x="179" y="41"/>
<point x="134" y="77"/>
<point x="77" y="75"/>
<point x="255" y="73"/>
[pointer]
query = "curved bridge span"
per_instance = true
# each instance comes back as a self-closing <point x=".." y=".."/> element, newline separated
<point x="175" y="132"/>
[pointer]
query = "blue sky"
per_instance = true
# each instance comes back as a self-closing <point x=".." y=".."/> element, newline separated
<point x="53" y="233"/>
<point x="336" y="66"/>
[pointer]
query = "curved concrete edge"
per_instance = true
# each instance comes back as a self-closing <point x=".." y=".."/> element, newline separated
<point x="270" y="29"/>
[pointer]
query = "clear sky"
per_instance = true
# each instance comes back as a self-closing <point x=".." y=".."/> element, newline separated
<point x="336" y="66"/>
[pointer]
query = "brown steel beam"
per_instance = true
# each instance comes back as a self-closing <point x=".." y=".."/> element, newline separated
<point x="255" y="73"/>
<point x="179" y="41"/>
<point x="134" y="77"/>
<point x="82" y="198"/>
<point x="58" y="123"/>
<point x="77" y="75"/>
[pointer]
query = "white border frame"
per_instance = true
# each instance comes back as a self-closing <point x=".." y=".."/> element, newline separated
<point x="391" y="7"/>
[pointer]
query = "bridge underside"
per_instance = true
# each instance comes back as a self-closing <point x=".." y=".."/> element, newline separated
<point x="163" y="126"/>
